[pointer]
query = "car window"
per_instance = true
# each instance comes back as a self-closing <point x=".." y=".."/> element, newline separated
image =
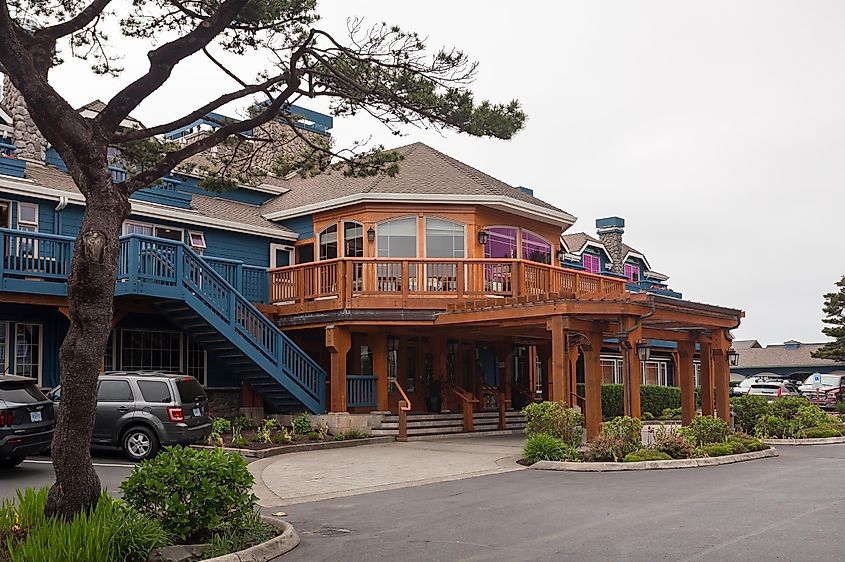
<point x="190" y="390"/>
<point x="114" y="391"/>
<point x="20" y="392"/>
<point x="155" y="391"/>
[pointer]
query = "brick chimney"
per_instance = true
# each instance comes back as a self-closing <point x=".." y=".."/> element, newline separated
<point x="29" y="143"/>
<point x="610" y="231"/>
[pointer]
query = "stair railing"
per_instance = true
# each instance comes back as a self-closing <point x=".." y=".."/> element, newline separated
<point x="404" y="408"/>
<point x="467" y="402"/>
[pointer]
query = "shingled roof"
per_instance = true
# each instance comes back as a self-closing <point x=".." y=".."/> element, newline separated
<point x="576" y="241"/>
<point x="423" y="171"/>
<point x="781" y="356"/>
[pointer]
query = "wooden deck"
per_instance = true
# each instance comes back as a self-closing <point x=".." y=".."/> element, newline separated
<point x="424" y="284"/>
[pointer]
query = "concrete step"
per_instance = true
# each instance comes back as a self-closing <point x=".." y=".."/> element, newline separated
<point x="456" y="430"/>
<point x="449" y="423"/>
<point x="452" y="416"/>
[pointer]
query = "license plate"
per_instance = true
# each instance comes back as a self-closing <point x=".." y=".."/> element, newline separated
<point x="35" y="416"/>
<point x="197" y="412"/>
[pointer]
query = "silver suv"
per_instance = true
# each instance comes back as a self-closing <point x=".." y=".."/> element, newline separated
<point x="140" y="411"/>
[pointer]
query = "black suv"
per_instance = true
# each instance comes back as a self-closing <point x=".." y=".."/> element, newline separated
<point x="140" y="411"/>
<point x="26" y="420"/>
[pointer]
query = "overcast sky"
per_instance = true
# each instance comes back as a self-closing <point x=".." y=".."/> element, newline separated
<point x="716" y="129"/>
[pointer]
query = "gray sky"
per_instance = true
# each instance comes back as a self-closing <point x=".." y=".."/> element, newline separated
<point x="716" y="129"/>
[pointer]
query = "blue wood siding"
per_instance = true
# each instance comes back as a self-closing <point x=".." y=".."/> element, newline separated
<point x="53" y="329"/>
<point x="303" y="226"/>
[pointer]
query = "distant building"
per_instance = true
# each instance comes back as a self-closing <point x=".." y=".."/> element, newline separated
<point x="791" y="358"/>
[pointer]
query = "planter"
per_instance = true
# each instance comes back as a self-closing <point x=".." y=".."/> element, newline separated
<point x="287" y="540"/>
<point x="651" y="465"/>
<point x="298" y="448"/>
<point x="433" y="404"/>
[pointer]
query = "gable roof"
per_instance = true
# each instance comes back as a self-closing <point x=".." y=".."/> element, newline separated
<point x="96" y="106"/>
<point x="781" y="356"/>
<point x="577" y="241"/>
<point x="424" y="174"/>
<point x="745" y="344"/>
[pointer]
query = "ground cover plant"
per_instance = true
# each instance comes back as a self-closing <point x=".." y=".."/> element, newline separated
<point x="111" y="532"/>
<point x="785" y="418"/>
<point x="244" y="433"/>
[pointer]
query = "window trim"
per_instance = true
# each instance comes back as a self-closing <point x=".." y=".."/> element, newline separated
<point x="40" y="348"/>
<point x="342" y="230"/>
<point x="522" y="232"/>
<point x="416" y="220"/>
<point x="319" y="256"/>
<point x="517" y="241"/>
<point x="444" y="219"/>
<point x="275" y="247"/>
<point x="22" y="204"/>
<point x="633" y="267"/>
<point x="201" y="234"/>
<point x="597" y="259"/>
<point x="154" y="226"/>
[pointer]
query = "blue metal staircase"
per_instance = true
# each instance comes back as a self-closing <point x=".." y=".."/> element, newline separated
<point x="194" y="296"/>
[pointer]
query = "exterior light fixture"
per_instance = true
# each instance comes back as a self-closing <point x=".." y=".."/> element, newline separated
<point x="483" y="237"/>
<point x="643" y="351"/>
<point x="733" y="357"/>
<point x="371" y="234"/>
<point x="561" y="254"/>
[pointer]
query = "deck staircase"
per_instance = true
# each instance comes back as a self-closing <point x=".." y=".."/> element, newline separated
<point x="194" y="296"/>
<point x="433" y="426"/>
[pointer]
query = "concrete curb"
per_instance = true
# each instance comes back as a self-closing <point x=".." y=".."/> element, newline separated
<point x="651" y="465"/>
<point x="814" y="441"/>
<point x="273" y="451"/>
<point x="285" y="542"/>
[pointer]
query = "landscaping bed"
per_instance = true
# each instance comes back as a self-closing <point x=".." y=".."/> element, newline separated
<point x="790" y="420"/>
<point x="554" y="438"/>
<point x="300" y="447"/>
<point x="193" y="501"/>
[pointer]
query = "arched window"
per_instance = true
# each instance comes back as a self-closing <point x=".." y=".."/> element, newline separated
<point x="444" y="239"/>
<point x="535" y="248"/>
<point x="328" y="243"/>
<point x="501" y="242"/>
<point x="397" y="238"/>
<point x="353" y="239"/>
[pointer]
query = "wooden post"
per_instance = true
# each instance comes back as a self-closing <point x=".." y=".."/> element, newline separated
<point x="544" y="352"/>
<point x="572" y="374"/>
<point x="706" y="378"/>
<point x="592" y="380"/>
<point x="632" y="368"/>
<point x="468" y="419"/>
<point x="503" y="417"/>
<point x="686" y="380"/>
<point x="558" y="375"/>
<point x="378" y="348"/>
<point x="338" y="342"/>
<point x="721" y="375"/>
<point x="403" y="425"/>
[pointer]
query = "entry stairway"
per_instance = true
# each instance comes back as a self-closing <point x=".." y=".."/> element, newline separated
<point x="429" y="426"/>
<point x="195" y="296"/>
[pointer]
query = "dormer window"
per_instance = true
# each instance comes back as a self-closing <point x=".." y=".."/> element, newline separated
<point x="632" y="272"/>
<point x="197" y="241"/>
<point x="591" y="263"/>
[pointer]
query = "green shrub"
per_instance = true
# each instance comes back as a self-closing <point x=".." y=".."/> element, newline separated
<point x="747" y="410"/>
<point x="607" y="448"/>
<point x="648" y="416"/>
<point x="264" y="433"/>
<point x="809" y="415"/>
<point x="629" y="430"/>
<point x="717" y="449"/>
<point x="545" y="447"/>
<point x="770" y="426"/>
<point x="239" y="441"/>
<point x="787" y="407"/>
<point x="191" y="492"/>
<point x="671" y="414"/>
<point x="655" y="398"/>
<point x="111" y="532"/>
<point x="673" y="443"/>
<point x="818" y="432"/>
<point x="555" y="419"/>
<point x="704" y="430"/>
<point x="314" y="436"/>
<point x="301" y="424"/>
<point x="221" y="426"/>
<point x="355" y="434"/>
<point x="641" y="455"/>
<point x="248" y="533"/>
<point x="281" y="437"/>
<point x="241" y="423"/>
<point x="839" y="407"/>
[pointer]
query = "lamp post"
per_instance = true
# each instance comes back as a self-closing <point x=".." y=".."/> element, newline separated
<point x="643" y="351"/>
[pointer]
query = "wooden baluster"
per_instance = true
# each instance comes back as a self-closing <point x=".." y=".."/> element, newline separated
<point x="459" y="280"/>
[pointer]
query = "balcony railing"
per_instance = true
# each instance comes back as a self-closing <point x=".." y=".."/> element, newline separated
<point x="422" y="283"/>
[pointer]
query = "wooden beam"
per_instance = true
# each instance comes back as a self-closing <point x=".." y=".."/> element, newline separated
<point x="378" y="347"/>
<point x="686" y="380"/>
<point x="592" y="380"/>
<point x="721" y="375"/>
<point x="558" y="375"/>
<point x="338" y="342"/>
<point x="706" y="378"/>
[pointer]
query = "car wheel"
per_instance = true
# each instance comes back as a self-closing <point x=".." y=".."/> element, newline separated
<point x="11" y="462"/>
<point x="139" y="443"/>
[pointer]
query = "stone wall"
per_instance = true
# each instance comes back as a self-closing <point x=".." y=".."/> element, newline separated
<point x="224" y="402"/>
<point x="29" y="142"/>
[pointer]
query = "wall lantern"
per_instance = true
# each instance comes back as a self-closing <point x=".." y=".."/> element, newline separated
<point x="733" y="357"/>
<point x="643" y="351"/>
<point x="483" y="237"/>
<point x="371" y="234"/>
<point x="561" y="254"/>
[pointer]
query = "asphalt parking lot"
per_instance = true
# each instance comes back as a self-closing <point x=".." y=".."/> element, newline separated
<point x="37" y="471"/>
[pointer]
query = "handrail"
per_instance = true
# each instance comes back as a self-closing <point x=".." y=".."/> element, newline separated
<point x="404" y="408"/>
<point x="467" y="403"/>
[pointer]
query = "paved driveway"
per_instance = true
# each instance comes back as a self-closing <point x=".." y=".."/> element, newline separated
<point x="316" y="475"/>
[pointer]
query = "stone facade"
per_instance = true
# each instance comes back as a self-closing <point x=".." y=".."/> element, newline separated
<point x="28" y="140"/>
<point x="612" y="240"/>
<point x="224" y="402"/>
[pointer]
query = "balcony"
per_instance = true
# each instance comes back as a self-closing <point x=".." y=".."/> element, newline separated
<point x="422" y="284"/>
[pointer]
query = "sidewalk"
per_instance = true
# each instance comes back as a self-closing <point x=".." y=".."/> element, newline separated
<point x="319" y="475"/>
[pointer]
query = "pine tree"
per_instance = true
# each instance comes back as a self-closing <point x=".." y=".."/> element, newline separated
<point x="834" y="308"/>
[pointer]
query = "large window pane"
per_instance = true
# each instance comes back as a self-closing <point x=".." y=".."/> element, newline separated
<point x="151" y="351"/>
<point x="28" y="350"/>
<point x="444" y="239"/>
<point x="353" y="240"/>
<point x="535" y="248"/>
<point x="195" y="361"/>
<point x="501" y="242"/>
<point x="397" y="238"/>
<point x="328" y="243"/>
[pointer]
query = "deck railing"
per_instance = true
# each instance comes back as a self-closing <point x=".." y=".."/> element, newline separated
<point x="418" y="283"/>
<point x="361" y="391"/>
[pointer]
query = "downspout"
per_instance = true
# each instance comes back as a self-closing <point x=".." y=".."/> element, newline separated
<point x="57" y="223"/>
<point x="627" y="387"/>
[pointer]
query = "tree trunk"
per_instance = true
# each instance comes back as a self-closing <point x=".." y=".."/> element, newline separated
<point x="91" y="309"/>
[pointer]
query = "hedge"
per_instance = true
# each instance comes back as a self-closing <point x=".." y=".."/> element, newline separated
<point x="653" y="398"/>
